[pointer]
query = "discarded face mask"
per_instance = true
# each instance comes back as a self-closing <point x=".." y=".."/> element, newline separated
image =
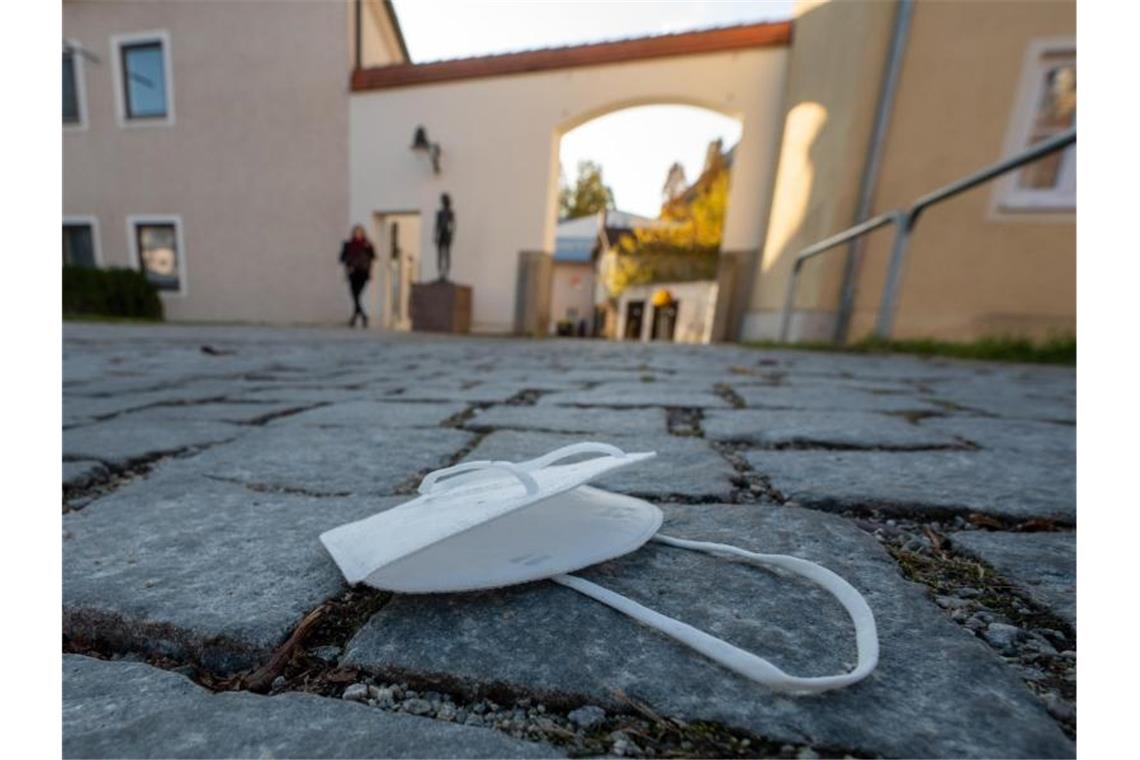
<point x="485" y="524"/>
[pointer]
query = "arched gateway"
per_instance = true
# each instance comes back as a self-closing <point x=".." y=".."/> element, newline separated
<point x="498" y="121"/>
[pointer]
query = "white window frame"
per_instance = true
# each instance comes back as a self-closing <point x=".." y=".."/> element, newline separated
<point x="161" y="36"/>
<point x="1008" y="201"/>
<point x="92" y="221"/>
<point x="80" y="87"/>
<point x="133" y="220"/>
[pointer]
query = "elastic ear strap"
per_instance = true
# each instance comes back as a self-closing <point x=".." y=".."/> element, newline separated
<point x="587" y="447"/>
<point x="433" y="481"/>
<point x="736" y="659"/>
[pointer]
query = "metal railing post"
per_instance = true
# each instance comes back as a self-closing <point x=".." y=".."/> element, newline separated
<point x="886" y="316"/>
<point x="789" y="299"/>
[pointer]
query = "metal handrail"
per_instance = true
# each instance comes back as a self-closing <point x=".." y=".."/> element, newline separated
<point x="905" y="220"/>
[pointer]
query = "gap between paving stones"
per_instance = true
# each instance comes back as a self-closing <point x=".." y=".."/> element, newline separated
<point x="915" y="417"/>
<point x="257" y="487"/>
<point x="868" y="508"/>
<point x="97" y="418"/>
<point x="1037" y="643"/>
<point x="751" y="486"/>
<point x="727" y="393"/>
<point x="307" y="662"/>
<point x="117" y="476"/>
<point x="684" y="421"/>
<point x="811" y="445"/>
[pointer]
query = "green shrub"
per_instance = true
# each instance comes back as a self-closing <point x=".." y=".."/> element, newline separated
<point x="109" y="293"/>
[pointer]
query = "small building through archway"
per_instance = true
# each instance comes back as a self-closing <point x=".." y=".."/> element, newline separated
<point x="642" y="207"/>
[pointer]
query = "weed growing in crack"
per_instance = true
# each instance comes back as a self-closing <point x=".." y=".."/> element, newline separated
<point x="684" y="422"/>
<point x="1037" y="643"/>
<point x="726" y="392"/>
<point x="750" y="486"/>
<point x="525" y="397"/>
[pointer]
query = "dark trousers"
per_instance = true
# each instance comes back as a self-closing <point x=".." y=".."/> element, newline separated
<point x="357" y="281"/>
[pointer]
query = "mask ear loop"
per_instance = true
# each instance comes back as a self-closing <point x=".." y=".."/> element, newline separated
<point x="738" y="660"/>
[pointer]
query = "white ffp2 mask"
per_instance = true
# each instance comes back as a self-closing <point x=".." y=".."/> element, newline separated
<point x="488" y="524"/>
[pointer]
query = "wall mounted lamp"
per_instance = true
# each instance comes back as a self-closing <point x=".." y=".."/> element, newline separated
<point x="421" y="143"/>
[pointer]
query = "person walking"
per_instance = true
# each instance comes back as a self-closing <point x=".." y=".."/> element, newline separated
<point x="356" y="255"/>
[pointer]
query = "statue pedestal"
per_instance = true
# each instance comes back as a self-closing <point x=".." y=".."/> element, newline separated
<point x="441" y="306"/>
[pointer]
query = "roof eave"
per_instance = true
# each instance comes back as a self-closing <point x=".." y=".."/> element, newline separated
<point x="768" y="34"/>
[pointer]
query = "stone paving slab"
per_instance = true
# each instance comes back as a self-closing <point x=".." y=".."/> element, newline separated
<point x="129" y="709"/>
<point x="78" y="474"/>
<point x="238" y="413"/>
<point x="683" y="466"/>
<point x="78" y="410"/>
<point x="489" y="393"/>
<point x="183" y="565"/>
<point x="301" y="395"/>
<point x="329" y="461"/>
<point x="918" y="481"/>
<point x="1044" y="565"/>
<point x="1014" y="437"/>
<point x="999" y="399"/>
<point x="637" y="393"/>
<point x="377" y="414"/>
<point x="938" y="691"/>
<point x="566" y="419"/>
<point x="129" y="438"/>
<point x="773" y="427"/>
<point x="828" y="396"/>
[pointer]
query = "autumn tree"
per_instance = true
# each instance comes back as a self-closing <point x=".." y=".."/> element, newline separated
<point x="589" y="195"/>
<point x="695" y="216"/>
<point x="686" y="247"/>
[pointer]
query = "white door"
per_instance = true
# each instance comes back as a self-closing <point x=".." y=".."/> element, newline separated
<point x="398" y="251"/>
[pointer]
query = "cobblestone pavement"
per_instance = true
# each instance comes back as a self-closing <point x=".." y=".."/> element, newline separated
<point x="203" y="617"/>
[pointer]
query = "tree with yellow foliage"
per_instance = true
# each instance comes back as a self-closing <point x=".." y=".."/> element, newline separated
<point x="684" y="249"/>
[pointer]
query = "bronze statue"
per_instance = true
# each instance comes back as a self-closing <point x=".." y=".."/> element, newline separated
<point x="444" y="233"/>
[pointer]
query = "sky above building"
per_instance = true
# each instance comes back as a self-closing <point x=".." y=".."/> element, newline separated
<point x="635" y="146"/>
<point x="442" y="29"/>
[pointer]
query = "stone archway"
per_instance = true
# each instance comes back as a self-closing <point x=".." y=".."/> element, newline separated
<point x="499" y="121"/>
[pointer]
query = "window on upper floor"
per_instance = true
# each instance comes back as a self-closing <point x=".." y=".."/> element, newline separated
<point x="72" y="87"/>
<point x="1046" y="105"/>
<point x="143" y="71"/>
<point x="158" y="251"/>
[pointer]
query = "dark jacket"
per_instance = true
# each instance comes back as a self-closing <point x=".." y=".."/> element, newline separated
<point x="357" y="256"/>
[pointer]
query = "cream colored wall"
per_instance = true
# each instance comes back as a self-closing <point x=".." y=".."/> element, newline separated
<point x="572" y="287"/>
<point x="500" y="140"/>
<point x="834" y="70"/>
<point x="256" y="162"/>
<point x="969" y="273"/>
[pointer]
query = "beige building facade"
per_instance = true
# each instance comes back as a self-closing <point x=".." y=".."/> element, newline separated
<point x="977" y="82"/>
<point x="209" y="146"/>
<point x="226" y="148"/>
